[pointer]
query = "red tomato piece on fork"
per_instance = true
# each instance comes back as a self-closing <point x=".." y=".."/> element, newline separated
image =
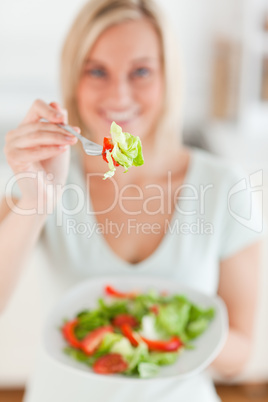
<point x="108" y="146"/>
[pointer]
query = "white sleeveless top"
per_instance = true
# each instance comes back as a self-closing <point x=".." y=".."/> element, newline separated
<point x="203" y="231"/>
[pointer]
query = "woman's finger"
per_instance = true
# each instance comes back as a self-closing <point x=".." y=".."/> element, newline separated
<point x="37" y="154"/>
<point x="42" y="138"/>
<point x="36" y="127"/>
<point x="58" y="107"/>
<point x="41" y="109"/>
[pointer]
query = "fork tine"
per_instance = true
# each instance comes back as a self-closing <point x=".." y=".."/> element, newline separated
<point x="91" y="148"/>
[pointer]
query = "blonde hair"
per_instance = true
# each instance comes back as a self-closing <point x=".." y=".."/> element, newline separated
<point x="94" y="18"/>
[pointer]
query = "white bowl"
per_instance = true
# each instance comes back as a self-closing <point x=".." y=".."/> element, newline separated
<point x="85" y="296"/>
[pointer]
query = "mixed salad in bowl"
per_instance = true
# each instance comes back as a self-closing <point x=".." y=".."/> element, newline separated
<point x="134" y="333"/>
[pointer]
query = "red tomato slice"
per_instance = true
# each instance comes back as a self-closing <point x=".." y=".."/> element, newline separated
<point x="171" y="345"/>
<point x="92" y="341"/>
<point x="121" y="319"/>
<point x="68" y="333"/>
<point x="154" y="309"/>
<point x="109" y="364"/>
<point x="108" y="145"/>
<point x="127" y="331"/>
<point x="113" y="292"/>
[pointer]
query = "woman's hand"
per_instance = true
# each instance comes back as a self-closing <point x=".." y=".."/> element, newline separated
<point x="41" y="151"/>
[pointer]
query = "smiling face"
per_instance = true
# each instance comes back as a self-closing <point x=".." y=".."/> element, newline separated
<point x="122" y="81"/>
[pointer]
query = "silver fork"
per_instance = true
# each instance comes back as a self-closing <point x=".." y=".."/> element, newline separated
<point x="90" y="147"/>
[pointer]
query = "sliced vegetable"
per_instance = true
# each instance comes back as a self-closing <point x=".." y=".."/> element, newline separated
<point x="197" y="327"/>
<point x="111" y="310"/>
<point x="172" y="345"/>
<point x="113" y="292"/>
<point x="110" y="364"/>
<point x="109" y="339"/>
<point x="93" y="340"/>
<point x="127" y="331"/>
<point x="122" y="149"/>
<point x="124" y="348"/>
<point x="154" y="309"/>
<point x="108" y="146"/>
<point x="68" y="333"/>
<point x="163" y="358"/>
<point x="88" y="321"/>
<point x="121" y="319"/>
<point x="140" y="354"/>
<point x="134" y="333"/>
<point x="173" y="317"/>
<point x="127" y="150"/>
<point x="110" y="172"/>
<point x="147" y="370"/>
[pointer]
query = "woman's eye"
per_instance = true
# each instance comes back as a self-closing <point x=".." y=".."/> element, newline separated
<point x="96" y="72"/>
<point x="141" y="72"/>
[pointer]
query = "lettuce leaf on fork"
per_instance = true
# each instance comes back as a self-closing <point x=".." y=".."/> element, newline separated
<point x="127" y="150"/>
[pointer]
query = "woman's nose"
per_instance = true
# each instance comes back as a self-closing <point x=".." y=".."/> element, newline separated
<point x="120" y="91"/>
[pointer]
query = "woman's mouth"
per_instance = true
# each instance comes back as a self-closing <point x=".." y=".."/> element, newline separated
<point x="120" y="117"/>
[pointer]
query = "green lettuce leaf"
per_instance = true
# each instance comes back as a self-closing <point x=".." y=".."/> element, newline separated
<point x="163" y="358"/>
<point x="173" y="318"/>
<point x="111" y="310"/>
<point x="127" y="150"/>
<point x="124" y="348"/>
<point x="199" y="320"/>
<point x="140" y="354"/>
<point x="197" y="327"/>
<point x="108" y="341"/>
<point x="110" y="172"/>
<point x="147" y="370"/>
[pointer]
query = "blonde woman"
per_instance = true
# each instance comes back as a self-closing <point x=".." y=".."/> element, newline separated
<point x="167" y="218"/>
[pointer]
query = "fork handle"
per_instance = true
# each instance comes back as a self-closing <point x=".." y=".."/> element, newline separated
<point x="72" y="131"/>
<point x="67" y="128"/>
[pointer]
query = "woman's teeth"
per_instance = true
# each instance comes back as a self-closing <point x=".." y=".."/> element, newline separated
<point x="120" y="116"/>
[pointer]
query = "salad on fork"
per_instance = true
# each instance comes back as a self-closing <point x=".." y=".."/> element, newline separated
<point x="120" y="149"/>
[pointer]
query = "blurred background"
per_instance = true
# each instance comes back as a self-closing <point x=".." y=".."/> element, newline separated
<point x="224" y="52"/>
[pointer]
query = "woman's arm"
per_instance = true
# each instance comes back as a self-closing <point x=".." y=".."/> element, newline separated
<point x="38" y="149"/>
<point x="238" y="287"/>
<point x="18" y="235"/>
